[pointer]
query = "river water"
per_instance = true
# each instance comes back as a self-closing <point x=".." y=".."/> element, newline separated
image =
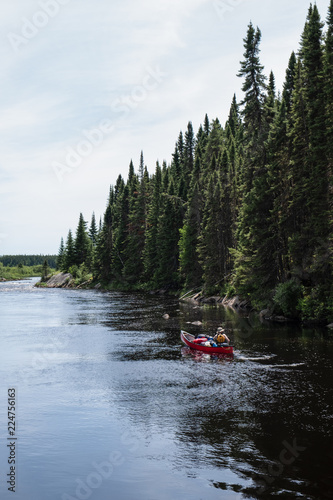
<point x="110" y="406"/>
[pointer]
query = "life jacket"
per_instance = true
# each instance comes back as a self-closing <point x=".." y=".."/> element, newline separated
<point x="221" y="338"/>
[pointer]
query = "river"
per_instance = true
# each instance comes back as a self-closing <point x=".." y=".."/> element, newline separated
<point x="108" y="405"/>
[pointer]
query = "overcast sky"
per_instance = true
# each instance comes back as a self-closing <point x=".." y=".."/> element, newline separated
<point x="87" y="84"/>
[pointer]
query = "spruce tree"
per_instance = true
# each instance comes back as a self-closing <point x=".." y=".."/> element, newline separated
<point x="212" y="151"/>
<point x="328" y="90"/>
<point x="135" y="240"/>
<point x="309" y="174"/>
<point x="61" y="255"/>
<point x="45" y="270"/>
<point x="254" y="83"/>
<point x="288" y="86"/>
<point x="215" y="236"/>
<point x="278" y="165"/>
<point x="188" y="163"/>
<point x="206" y="125"/>
<point x="190" y="267"/>
<point x="69" y="255"/>
<point x="254" y="88"/>
<point x="299" y="176"/>
<point x="103" y="251"/>
<point x="233" y="121"/>
<point x="253" y="216"/>
<point x="150" y="253"/>
<point x="93" y="231"/>
<point x="270" y="104"/>
<point x="120" y="230"/>
<point x="81" y="245"/>
<point x="169" y="224"/>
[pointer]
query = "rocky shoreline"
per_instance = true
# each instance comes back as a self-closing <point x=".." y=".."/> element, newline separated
<point x="60" y="280"/>
<point x="244" y="306"/>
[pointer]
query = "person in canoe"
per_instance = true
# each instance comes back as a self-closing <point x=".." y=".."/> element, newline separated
<point x="221" y="337"/>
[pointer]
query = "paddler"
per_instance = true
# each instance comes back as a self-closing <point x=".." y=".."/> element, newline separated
<point x="221" y="337"/>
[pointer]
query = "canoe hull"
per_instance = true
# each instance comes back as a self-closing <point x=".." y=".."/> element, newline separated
<point x="187" y="339"/>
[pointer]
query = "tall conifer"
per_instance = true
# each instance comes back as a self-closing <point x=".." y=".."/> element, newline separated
<point x="150" y="253"/>
<point x="69" y="255"/>
<point x="81" y="242"/>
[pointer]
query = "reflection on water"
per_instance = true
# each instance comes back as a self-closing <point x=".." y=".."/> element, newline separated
<point x="112" y="405"/>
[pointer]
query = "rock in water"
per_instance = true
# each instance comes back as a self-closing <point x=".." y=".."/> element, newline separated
<point x="59" y="280"/>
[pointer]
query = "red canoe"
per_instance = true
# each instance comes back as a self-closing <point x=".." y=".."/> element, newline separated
<point x="188" y="339"/>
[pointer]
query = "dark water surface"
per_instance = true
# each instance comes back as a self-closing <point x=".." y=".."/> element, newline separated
<point x="109" y="405"/>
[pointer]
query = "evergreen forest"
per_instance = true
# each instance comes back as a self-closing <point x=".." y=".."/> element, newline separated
<point x="242" y="208"/>
<point x="28" y="260"/>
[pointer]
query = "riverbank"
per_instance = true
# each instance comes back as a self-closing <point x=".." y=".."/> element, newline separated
<point x="20" y="272"/>
<point x="195" y="298"/>
<point x="243" y="306"/>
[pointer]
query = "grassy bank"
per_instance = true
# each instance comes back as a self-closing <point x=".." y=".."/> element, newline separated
<point x="19" y="272"/>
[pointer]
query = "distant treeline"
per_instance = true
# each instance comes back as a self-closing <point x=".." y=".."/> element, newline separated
<point x="245" y="208"/>
<point x="28" y="260"/>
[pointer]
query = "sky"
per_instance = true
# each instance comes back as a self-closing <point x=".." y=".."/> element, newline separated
<point x="87" y="84"/>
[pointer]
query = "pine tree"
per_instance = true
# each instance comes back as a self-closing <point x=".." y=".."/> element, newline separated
<point x="233" y="133"/>
<point x="288" y="86"/>
<point x="278" y="165"/>
<point x="150" y="253"/>
<point x="61" y="255"/>
<point x="93" y="231"/>
<point x="141" y="167"/>
<point x="212" y="152"/>
<point x="190" y="268"/>
<point x="135" y="240"/>
<point x="309" y="192"/>
<point x="169" y="224"/>
<point x="206" y="126"/>
<point x="131" y="173"/>
<point x="270" y="104"/>
<point x="299" y="177"/>
<point x="69" y="255"/>
<point x="81" y="245"/>
<point x="233" y="123"/>
<point x="103" y="251"/>
<point x="254" y="83"/>
<point x="45" y="270"/>
<point x="254" y="88"/>
<point x="253" y="216"/>
<point x="120" y="229"/>
<point x="181" y="148"/>
<point x="328" y="82"/>
<point x="189" y="147"/>
<point x="214" y="239"/>
<point x="312" y="59"/>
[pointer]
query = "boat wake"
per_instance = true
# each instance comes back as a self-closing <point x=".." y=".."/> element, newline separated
<point x="290" y="365"/>
<point x="267" y="357"/>
<point x="256" y="358"/>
